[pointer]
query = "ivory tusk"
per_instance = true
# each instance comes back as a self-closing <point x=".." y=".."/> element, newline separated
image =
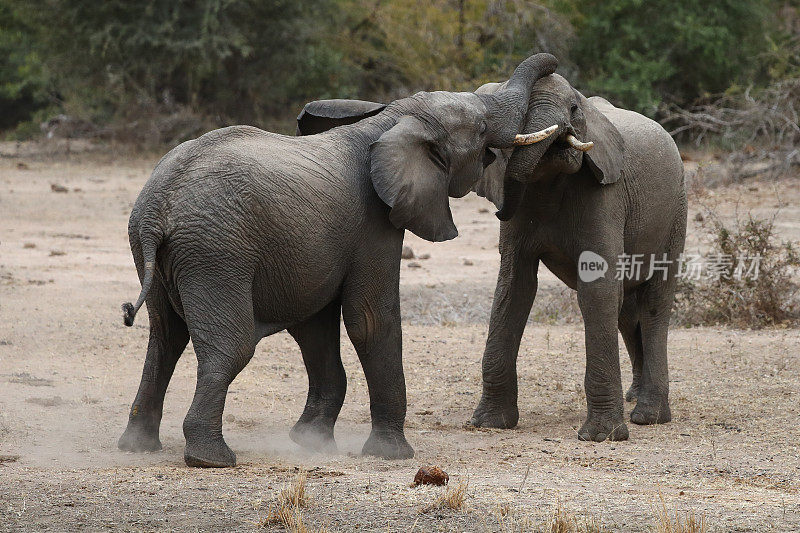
<point x="531" y="138"/>
<point x="575" y="143"/>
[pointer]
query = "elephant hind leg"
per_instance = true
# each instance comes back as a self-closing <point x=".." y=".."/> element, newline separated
<point x="656" y="297"/>
<point x="222" y="329"/>
<point x="318" y="338"/>
<point x="652" y="403"/>
<point x="631" y="331"/>
<point x="168" y="338"/>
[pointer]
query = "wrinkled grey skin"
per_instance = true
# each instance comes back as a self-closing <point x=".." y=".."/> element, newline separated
<point x="242" y="233"/>
<point x="626" y="195"/>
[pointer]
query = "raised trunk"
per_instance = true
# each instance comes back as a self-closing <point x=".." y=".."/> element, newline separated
<point x="509" y="106"/>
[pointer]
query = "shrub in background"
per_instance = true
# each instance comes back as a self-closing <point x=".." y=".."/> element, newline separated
<point x="768" y="300"/>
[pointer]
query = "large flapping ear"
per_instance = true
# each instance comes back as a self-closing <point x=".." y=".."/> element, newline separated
<point x="322" y="115"/>
<point x="411" y="177"/>
<point x="607" y="158"/>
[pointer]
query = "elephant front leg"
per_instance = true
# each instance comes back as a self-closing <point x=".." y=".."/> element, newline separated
<point x="516" y="289"/>
<point x="318" y="339"/>
<point x="599" y="301"/>
<point x="373" y="325"/>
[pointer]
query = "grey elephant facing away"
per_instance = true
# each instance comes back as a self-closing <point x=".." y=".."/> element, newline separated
<point x="242" y="233"/>
<point x="621" y="199"/>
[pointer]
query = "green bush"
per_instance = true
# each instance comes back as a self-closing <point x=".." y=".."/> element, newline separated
<point x="23" y="83"/>
<point x="640" y="53"/>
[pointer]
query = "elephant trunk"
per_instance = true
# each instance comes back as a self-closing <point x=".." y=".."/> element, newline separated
<point x="513" y="191"/>
<point x="525" y="158"/>
<point x="519" y="170"/>
<point x="509" y="106"/>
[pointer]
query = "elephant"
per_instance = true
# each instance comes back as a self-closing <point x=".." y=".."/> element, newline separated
<point x="617" y="199"/>
<point x="242" y="233"/>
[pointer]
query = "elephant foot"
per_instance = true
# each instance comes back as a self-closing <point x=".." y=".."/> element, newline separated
<point x="599" y="428"/>
<point x="205" y="446"/>
<point x="137" y="438"/>
<point x="633" y="392"/>
<point x="388" y="445"/>
<point x="651" y="411"/>
<point x="314" y="435"/>
<point x="209" y="454"/>
<point x="491" y="414"/>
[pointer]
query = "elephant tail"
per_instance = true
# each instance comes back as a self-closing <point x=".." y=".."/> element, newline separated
<point x="150" y="243"/>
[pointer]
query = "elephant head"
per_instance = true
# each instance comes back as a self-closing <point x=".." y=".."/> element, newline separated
<point x="553" y="101"/>
<point x="434" y="145"/>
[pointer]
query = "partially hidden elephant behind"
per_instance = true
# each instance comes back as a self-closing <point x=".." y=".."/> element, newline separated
<point x="243" y="233"/>
<point x="617" y="200"/>
<point x="620" y="195"/>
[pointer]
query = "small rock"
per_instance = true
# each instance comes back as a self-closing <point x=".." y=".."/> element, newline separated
<point x="54" y="253"/>
<point x="9" y="458"/>
<point x="699" y="217"/>
<point x="22" y="166"/>
<point x="430" y="475"/>
<point x="468" y="262"/>
<point x="55" y="187"/>
<point x="424" y="256"/>
<point x="414" y="264"/>
<point x="483" y="210"/>
<point x="29" y="245"/>
<point x="407" y="253"/>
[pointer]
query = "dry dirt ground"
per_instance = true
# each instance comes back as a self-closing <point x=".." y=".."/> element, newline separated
<point x="69" y="370"/>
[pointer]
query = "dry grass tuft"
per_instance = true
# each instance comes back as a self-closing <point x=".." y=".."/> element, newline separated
<point x="452" y="498"/>
<point x="563" y="521"/>
<point x="295" y="495"/>
<point x="678" y="522"/>
<point x="286" y="511"/>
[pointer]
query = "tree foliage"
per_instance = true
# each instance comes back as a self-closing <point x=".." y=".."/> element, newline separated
<point x="23" y="84"/>
<point x="644" y="52"/>
<point x="258" y="61"/>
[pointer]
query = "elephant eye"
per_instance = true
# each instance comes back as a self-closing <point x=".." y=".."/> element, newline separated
<point x="573" y="109"/>
<point x="483" y="127"/>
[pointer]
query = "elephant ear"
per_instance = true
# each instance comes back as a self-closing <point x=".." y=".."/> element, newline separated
<point x="411" y="178"/>
<point x="606" y="159"/>
<point x="322" y="115"/>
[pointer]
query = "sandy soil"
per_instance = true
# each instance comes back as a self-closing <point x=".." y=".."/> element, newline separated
<point x="69" y="370"/>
